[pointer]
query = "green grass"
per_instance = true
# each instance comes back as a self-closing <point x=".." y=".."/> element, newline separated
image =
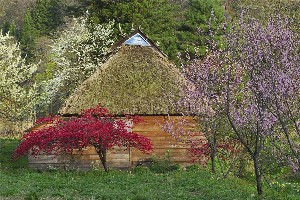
<point x="19" y="182"/>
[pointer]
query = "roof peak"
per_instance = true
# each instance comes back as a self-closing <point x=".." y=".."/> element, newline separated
<point x="138" y="38"/>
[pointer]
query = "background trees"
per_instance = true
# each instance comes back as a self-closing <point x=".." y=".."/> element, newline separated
<point x="41" y="20"/>
<point x="172" y="25"/>
<point x="28" y="36"/>
<point x="47" y="15"/>
<point x="262" y="10"/>
<point x="16" y="90"/>
<point x="12" y="12"/>
<point x="74" y="55"/>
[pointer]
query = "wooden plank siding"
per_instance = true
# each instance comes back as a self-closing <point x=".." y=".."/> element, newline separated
<point x="165" y="146"/>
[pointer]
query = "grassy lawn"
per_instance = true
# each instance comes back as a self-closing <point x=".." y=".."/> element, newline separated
<point x="19" y="182"/>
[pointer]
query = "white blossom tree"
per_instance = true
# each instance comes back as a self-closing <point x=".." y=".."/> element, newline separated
<point x="76" y="53"/>
<point x="17" y="92"/>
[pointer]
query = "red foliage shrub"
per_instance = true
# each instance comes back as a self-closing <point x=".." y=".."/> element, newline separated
<point x="226" y="150"/>
<point x="96" y="127"/>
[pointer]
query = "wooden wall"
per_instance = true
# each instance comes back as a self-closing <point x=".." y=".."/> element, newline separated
<point x="117" y="158"/>
<point x="165" y="147"/>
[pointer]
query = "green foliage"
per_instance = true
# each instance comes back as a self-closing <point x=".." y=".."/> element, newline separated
<point x="28" y="35"/>
<point x="4" y="27"/>
<point x="195" y="168"/>
<point x="141" y="170"/>
<point x="163" y="166"/>
<point x="7" y="146"/>
<point x="263" y="9"/>
<point x="198" y="16"/>
<point x="10" y="27"/>
<point x="47" y="74"/>
<point x="13" y="29"/>
<point x="172" y="25"/>
<point x="47" y="15"/>
<point x="43" y="19"/>
<point x="31" y="196"/>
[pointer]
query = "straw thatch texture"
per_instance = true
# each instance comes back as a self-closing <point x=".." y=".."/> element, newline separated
<point x="135" y="80"/>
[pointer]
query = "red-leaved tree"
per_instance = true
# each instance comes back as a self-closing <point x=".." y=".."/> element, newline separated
<point x="96" y="127"/>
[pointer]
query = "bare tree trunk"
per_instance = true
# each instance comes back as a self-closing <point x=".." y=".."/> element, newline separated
<point x="211" y="137"/>
<point x="213" y="162"/>
<point x="213" y="152"/>
<point x="258" y="175"/>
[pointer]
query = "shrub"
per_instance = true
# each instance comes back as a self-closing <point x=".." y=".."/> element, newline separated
<point x="163" y="166"/>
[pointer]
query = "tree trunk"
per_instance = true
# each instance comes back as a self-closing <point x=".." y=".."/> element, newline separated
<point x="257" y="175"/>
<point x="102" y="155"/>
<point x="212" y="145"/>
<point x="213" y="153"/>
<point x="213" y="162"/>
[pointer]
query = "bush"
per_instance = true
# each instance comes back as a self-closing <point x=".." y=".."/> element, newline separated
<point x="193" y="168"/>
<point x="141" y="170"/>
<point x="163" y="166"/>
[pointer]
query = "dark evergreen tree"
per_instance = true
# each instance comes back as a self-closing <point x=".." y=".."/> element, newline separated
<point x="47" y="15"/>
<point x="28" y="35"/>
<point x="12" y="29"/>
<point x="5" y="26"/>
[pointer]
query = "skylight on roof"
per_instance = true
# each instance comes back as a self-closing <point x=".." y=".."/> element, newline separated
<point x="137" y="39"/>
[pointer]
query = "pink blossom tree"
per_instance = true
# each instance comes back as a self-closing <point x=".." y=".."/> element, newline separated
<point x="254" y="82"/>
<point x="262" y="97"/>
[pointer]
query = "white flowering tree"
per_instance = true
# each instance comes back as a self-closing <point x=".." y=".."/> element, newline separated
<point x="17" y="92"/>
<point x="76" y="53"/>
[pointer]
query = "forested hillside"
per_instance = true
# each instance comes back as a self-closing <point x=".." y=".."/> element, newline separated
<point x="172" y="24"/>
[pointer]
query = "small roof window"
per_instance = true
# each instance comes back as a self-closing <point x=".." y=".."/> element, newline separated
<point x="137" y="39"/>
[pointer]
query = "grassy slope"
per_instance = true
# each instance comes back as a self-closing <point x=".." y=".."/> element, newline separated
<point x="19" y="182"/>
<point x="263" y="9"/>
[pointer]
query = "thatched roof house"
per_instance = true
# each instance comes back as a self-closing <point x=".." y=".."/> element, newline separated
<point x="136" y="79"/>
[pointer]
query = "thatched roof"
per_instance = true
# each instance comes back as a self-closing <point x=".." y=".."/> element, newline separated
<point x="134" y="80"/>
